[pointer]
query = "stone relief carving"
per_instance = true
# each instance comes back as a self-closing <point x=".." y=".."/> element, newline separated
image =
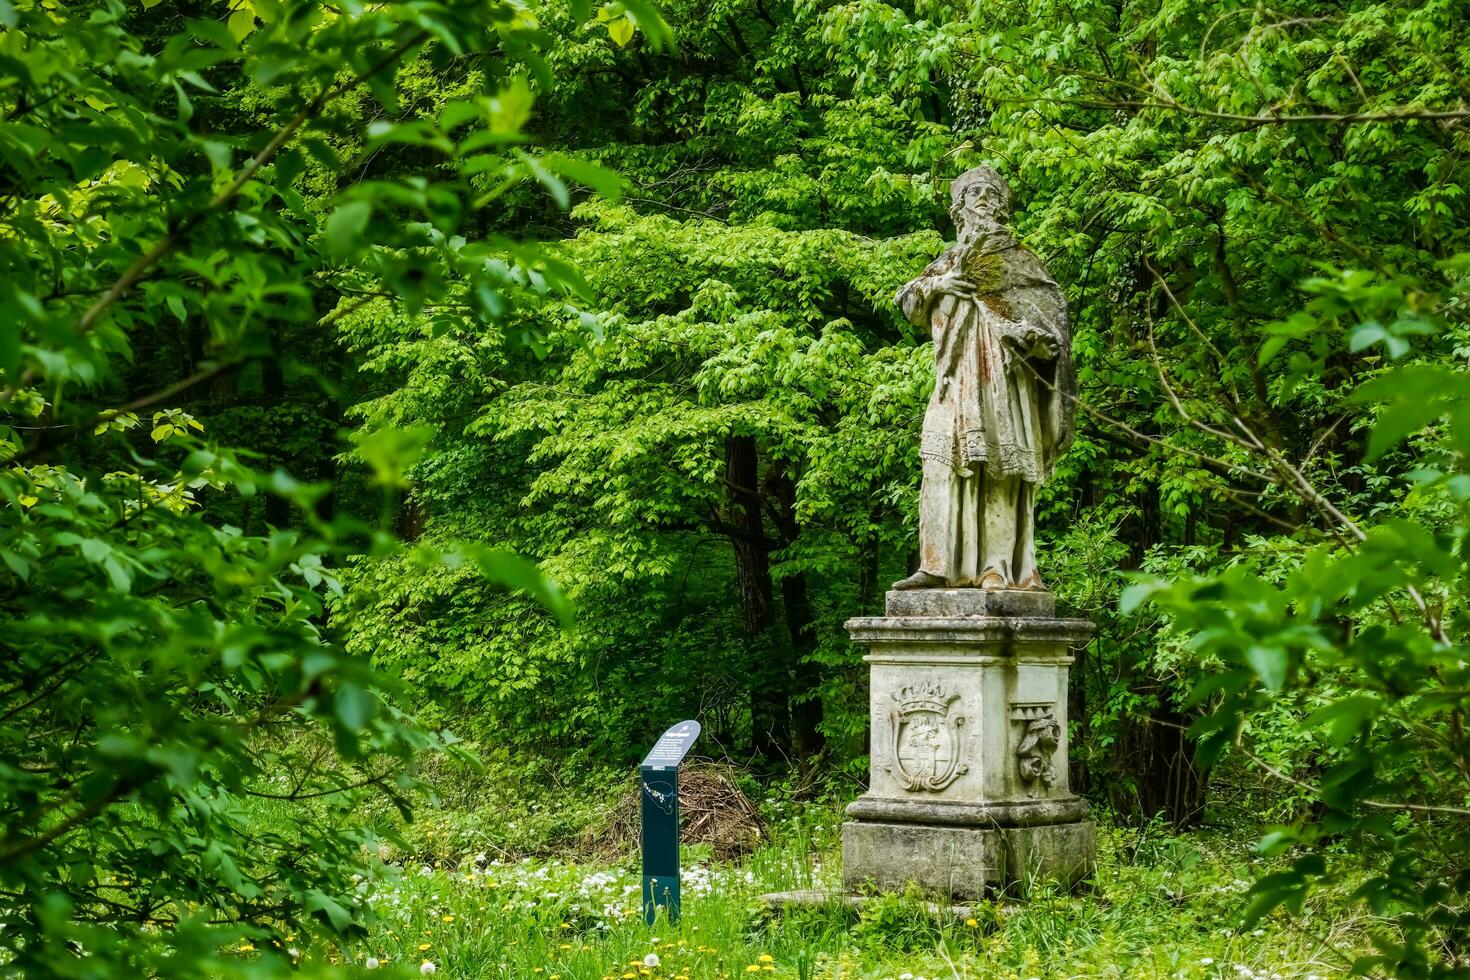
<point x="1035" y="755"/>
<point x="925" y="743"/>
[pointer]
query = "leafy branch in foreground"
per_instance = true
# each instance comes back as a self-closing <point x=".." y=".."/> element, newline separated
<point x="165" y="672"/>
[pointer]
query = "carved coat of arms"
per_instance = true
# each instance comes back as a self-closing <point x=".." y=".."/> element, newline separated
<point x="926" y="747"/>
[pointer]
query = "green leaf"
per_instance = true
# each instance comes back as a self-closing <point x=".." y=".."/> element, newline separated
<point x="1346" y="717"/>
<point x="1136" y="594"/>
<point x="608" y="183"/>
<point x="621" y="30"/>
<point x="513" y="571"/>
<point x="241" y="23"/>
<point x="336" y="913"/>
<point x="1270" y="664"/>
<point x="355" y="705"/>
<point x="344" y="227"/>
<point x="1399" y="421"/>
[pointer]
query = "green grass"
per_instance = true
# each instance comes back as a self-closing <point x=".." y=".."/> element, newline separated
<point x="1160" y="907"/>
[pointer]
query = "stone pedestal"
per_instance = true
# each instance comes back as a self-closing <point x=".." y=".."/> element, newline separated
<point x="968" y="703"/>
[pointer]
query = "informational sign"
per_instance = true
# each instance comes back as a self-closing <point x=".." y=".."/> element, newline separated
<point x="659" y="776"/>
<point x="672" y="746"/>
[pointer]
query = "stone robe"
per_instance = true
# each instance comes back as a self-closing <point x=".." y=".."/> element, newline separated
<point x="999" y="416"/>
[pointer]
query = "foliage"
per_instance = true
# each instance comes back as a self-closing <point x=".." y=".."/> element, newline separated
<point x="1163" y="906"/>
<point x="625" y="308"/>
<point x="715" y="466"/>
<point x="1375" y="607"/>
<point x="161" y="665"/>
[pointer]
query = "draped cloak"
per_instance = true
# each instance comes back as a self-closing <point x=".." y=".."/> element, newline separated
<point x="1000" y="396"/>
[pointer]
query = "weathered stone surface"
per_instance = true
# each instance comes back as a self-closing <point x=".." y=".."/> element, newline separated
<point x="952" y="603"/>
<point x="968" y="787"/>
<point x="964" y="863"/>
<point x="958" y="708"/>
<point x="968" y="637"/>
<point x="1014" y="813"/>
<point x="1001" y="413"/>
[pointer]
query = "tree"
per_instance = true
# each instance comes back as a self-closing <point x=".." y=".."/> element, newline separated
<point x="165" y="672"/>
<point x="720" y="463"/>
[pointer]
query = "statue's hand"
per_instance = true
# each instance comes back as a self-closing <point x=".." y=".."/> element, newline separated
<point x="1031" y="342"/>
<point x="956" y="286"/>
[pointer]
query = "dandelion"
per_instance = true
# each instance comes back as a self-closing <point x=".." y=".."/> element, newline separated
<point x="765" y="958"/>
<point x="651" y="960"/>
<point x="371" y="963"/>
<point x="294" y="953"/>
<point x="972" y="923"/>
<point x="427" y="967"/>
<point x="448" y="918"/>
<point x="423" y="946"/>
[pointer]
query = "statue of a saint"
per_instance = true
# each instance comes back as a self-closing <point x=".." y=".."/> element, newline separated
<point x="1001" y="412"/>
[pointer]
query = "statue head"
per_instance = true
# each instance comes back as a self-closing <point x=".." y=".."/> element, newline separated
<point x="979" y="199"/>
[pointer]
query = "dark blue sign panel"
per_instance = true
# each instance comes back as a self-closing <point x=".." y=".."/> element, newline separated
<point x="659" y="777"/>
<point x="672" y="746"/>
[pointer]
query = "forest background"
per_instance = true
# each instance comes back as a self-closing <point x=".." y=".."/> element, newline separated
<point x="369" y="374"/>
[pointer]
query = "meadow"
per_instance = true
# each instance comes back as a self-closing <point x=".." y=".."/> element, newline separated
<point x="445" y="901"/>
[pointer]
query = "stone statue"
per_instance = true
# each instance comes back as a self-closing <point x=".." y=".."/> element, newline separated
<point x="1001" y="412"/>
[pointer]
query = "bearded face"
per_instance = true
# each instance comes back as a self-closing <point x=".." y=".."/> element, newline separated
<point x="980" y="210"/>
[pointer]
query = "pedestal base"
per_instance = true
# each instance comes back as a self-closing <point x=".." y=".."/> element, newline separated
<point x="968" y="792"/>
<point x="957" y="863"/>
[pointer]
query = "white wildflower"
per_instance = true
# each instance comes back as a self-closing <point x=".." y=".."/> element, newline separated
<point x="427" y="967"/>
<point x="651" y="960"/>
<point x="371" y="963"/>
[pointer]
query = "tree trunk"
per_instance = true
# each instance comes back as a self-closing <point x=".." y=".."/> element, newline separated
<point x="1157" y="758"/>
<point x="770" y="722"/>
<point x="801" y="626"/>
<point x="868" y="575"/>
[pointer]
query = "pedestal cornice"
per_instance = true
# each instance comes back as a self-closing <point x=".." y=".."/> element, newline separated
<point x="992" y="631"/>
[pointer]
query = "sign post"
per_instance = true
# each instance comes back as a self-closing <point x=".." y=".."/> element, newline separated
<point x="660" y="836"/>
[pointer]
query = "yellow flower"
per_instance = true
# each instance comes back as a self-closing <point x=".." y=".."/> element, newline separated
<point x="448" y="918"/>
<point x="766" y="958"/>
<point x="752" y="969"/>
<point x="423" y="946"/>
<point x="246" y="948"/>
<point x="565" y="946"/>
<point x="971" y="923"/>
<point x="566" y="925"/>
